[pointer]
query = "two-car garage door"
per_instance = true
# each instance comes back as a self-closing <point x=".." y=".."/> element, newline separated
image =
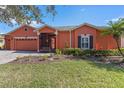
<point x="29" y="44"/>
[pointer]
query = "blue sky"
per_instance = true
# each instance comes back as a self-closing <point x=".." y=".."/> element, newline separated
<point x="76" y="15"/>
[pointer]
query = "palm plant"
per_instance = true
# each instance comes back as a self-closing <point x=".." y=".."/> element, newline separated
<point x="116" y="29"/>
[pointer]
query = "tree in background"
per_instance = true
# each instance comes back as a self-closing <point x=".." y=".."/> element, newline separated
<point x="23" y="14"/>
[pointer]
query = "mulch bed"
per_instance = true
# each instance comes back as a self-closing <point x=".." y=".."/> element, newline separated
<point x="117" y="60"/>
<point x="47" y="59"/>
<point x="104" y="59"/>
<point x="42" y="59"/>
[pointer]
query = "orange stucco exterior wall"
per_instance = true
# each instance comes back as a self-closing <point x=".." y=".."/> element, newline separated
<point x="84" y="30"/>
<point x="12" y="44"/>
<point x="7" y="42"/>
<point x="105" y="42"/>
<point x="100" y="42"/>
<point x="63" y="39"/>
<point x="46" y="30"/>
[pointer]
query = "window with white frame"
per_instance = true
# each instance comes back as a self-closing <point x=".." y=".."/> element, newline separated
<point x="85" y="43"/>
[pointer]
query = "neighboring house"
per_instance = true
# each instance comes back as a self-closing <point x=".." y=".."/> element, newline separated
<point x="85" y="36"/>
<point x="2" y="42"/>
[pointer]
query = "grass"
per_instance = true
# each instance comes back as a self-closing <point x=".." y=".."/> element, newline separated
<point x="80" y="73"/>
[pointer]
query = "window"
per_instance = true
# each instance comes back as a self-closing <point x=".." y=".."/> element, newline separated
<point x="26" y="29"/>
<point x="85" y="42"/>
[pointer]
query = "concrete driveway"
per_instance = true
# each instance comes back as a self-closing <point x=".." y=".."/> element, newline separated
<point x="8" y="56"/>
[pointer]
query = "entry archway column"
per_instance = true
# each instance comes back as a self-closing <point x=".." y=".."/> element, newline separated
<point x="56" y="39"/>
<point x="38" y="42"/>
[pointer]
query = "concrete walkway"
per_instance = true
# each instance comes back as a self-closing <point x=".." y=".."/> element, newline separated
<point x="8" y="56"/>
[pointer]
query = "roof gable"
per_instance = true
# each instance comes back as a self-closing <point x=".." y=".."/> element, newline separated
<point x="46" y="26"/>
<point x="46" y="29"/>
<point x="89" y="25"/>
<point x="25" y="25"/>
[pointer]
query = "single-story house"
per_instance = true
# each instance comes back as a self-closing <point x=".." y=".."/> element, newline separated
<point x="2" y="41"/>
<point x="85" y="36"/>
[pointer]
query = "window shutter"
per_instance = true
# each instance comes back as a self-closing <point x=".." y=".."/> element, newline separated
<point x="91" y="42"/>
<point x="79" y="41"/>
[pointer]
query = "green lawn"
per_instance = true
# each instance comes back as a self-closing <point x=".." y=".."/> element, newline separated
<point x="61" y="74"/>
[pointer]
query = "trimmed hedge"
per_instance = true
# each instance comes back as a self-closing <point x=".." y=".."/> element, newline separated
<point x="80" y="52"/>
<point x="72" y="51"/>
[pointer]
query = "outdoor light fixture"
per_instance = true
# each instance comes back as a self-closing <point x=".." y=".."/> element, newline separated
<point x="56" y="33"/>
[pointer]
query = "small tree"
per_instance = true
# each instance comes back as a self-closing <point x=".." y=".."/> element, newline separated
<point x="116" y="29"/>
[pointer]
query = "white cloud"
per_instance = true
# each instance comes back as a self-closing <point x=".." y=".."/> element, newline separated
<point x="114" y="19"/>
<point x="35" y="24"/>
<point x="13" y="21"/>
<point x="1" y="33"/>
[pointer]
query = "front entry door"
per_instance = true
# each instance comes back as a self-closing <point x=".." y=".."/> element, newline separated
<point x="47" y="42"/>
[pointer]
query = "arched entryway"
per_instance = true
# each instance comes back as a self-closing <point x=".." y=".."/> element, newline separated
<point x="47" y="41"/>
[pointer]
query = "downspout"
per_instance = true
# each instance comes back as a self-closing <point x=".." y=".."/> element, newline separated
<point x="70" y="39"/>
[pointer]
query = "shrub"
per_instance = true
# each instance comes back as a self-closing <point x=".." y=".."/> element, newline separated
<point x="115" y="52"/>
<point x="103" y="52"/>
<point x="77" y="52"/>
<point x="122" y="49"/>
<point x="58" y="52"/>
<point x="44" y="57"/>
<point x="72" y="51"/>
<point x="88" y="52"/>
<point x="68" y="51"/>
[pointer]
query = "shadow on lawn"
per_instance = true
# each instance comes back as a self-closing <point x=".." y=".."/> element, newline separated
<point x="108" y="67"/>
